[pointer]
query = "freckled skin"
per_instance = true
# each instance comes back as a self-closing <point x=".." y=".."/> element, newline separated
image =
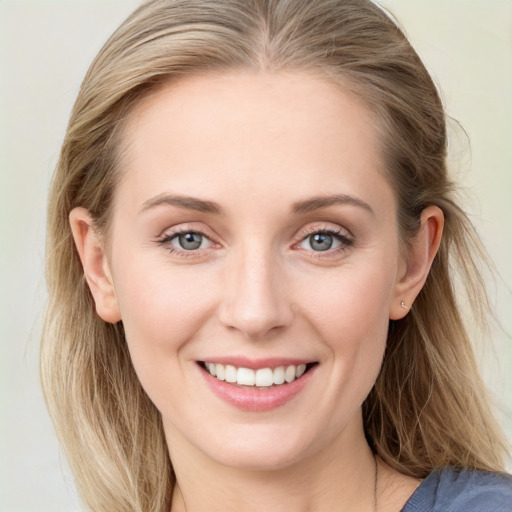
<point x="254" y="283"/>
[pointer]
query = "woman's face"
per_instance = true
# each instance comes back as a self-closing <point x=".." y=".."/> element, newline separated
<point x="254" y="233"/>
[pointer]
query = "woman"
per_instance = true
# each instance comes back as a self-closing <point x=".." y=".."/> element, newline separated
<point x="251" y="237"/>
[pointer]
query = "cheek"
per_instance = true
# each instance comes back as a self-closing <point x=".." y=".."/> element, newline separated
<point x="351" y="315"/>
<point x="351" y="301"/>
<point x="161" y="309"/>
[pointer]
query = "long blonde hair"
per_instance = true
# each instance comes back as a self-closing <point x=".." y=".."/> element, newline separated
<point x="428" y="408"/>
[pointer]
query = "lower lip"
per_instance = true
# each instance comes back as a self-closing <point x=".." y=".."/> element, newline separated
<point x="256" y="399"/>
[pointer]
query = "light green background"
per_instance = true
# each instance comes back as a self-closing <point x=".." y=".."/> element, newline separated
<point x="45" y="49"/>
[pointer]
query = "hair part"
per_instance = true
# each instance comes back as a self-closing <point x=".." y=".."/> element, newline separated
<point x="428" y="408"/>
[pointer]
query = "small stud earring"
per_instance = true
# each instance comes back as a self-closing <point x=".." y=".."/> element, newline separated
<point x="404" y="305"/>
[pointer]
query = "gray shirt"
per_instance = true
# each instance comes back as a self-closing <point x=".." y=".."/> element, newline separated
<point x="452" y="490"/>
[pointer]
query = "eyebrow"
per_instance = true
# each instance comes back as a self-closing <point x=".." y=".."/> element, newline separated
<point x="316" y="203"/>
<point x="300" y="207"/>
<point x="186" y="202"/>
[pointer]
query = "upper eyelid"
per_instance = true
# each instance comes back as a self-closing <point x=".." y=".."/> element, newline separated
<point x="332" y="228"/>
<point x="185" y="228"/>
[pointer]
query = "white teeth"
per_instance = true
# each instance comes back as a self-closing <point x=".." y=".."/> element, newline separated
<point x="220" y="371"/>
<point x="245" y="377"/>
<point x="279" y="375"/>
<point x="289" y="374"/>
<point x="230" y="373"/>
<point x="263" y="377"/>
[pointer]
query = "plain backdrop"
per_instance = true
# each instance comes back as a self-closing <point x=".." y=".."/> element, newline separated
<point x="45" y="49"/>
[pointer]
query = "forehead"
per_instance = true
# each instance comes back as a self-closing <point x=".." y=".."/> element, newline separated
<point x="243" y="131"/>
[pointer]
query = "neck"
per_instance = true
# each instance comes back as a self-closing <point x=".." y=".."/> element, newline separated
<point x="340" y="477"/>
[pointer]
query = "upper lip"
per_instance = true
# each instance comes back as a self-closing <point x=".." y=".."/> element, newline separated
<point x="255" y="364"/>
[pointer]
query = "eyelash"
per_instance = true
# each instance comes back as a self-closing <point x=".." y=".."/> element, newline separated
<point x="165" y="240"/>
<point x="345" y="241"/>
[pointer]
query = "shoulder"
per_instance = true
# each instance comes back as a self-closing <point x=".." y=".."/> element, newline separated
<point x="455" y="490"/>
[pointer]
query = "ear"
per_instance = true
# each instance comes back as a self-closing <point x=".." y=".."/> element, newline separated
<point x="94" y="261"/>
<point x="421" y="254"/>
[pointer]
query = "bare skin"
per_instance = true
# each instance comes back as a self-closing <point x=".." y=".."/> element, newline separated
<point x="277" y="180"/>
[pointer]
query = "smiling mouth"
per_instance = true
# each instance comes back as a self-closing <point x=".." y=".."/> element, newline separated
<point x="262" y="378"/>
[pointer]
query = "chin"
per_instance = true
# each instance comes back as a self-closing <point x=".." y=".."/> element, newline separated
<point x="270" y="448"/>
<point x="254" y="458"/>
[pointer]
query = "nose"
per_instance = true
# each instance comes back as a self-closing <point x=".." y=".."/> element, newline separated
<point x="255" y="298"/>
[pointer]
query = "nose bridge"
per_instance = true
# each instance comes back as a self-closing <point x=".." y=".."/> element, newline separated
<point x="255" y="300"/>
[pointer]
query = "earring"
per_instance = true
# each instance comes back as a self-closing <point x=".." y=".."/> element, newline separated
<point x="404" y="305"/>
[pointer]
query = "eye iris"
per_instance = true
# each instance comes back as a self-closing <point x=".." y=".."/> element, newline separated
<point x="321" y="241"/>
<point x="190" y="241"/>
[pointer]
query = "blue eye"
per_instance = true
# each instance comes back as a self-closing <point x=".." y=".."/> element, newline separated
<point x="189" y="241"/>
<point x="325" y="240"/>
<point x="320" y="242"/>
